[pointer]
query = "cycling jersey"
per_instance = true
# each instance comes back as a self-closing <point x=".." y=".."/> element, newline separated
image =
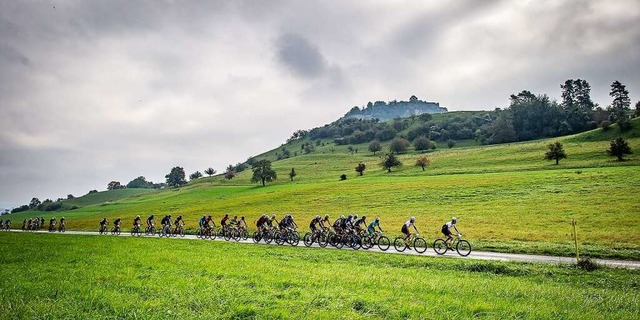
<point x="262" y="221"/>
<point x="223" y="222"/>
<point x="373" y="225"/>
<point x="103" y="221"/>
<point x="177" y="221"/>
<point x="135" y="221"/>
<point x="117" y="222"/>
<point x="165" y="220"/>
<point x="203" y="220"/>
<point x="360" y="222"/>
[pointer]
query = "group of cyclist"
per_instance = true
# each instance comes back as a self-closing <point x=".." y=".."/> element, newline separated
<point x="351" y="224"/>
<point x="5" y="225"/>
<point x="36" y="223"/>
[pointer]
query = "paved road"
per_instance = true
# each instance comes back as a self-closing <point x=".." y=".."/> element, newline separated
<point x="475" y="255"/>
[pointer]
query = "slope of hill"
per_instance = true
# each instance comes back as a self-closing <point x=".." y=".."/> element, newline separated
<point x="507" y="197"/>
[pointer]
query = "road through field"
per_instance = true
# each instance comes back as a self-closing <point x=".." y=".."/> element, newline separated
<point x="475" y="255"/>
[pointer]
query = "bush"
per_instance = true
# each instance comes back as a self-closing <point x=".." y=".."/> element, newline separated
<point x="587" y="264"/>
<point x="399" y="145"/>
<point x="343" y="177"/>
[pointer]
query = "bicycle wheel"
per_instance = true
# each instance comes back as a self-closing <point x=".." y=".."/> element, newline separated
<point x="308" y="239"/>
<point x="399" y="244"/>
<point x="279" y="238"/>
<point x="354" y="242"/>
<point x="384" y="243"/>
<point x="257" y="236"/>
<point x="463" y="247"/>
<point x="226" y="234"/>
<point x="366" y="242"/>
<point x="420" y="245"/>
<point x="236" y="235"/>
<point x="439" y="246"/>
<point x="181" y="232"/>
<point x="294" y="238"/>
<point x="323" y="240"/>
<point x="267" y="237"/>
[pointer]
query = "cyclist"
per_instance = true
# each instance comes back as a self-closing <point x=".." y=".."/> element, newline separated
<point x="223" y="222"/>
<point x="136" y="222"/>
<point x="116" y="224"/>
<point x="314" y="222"/>
<point x="24" y="224"/>
<point x="446" y="230"/>
<point x="104" y="223"/>
<point x="29" y="224"/>
<point x="178" y="221"/>
<point x="41" y="225"/>
<point x="7" y="224"/>
<point x="234" y="221"/>
<point x="202" y="221"/>
<point x="1" y="223"/>
<point x="324" y="223"/>
<point x="150" y="222"/>
<point x="337" y="225"/>
<point x="52" y="223"/>
<point x="262" y="222"/>
<point x="63" y="221"/>
<point x="208" y="221"/>
<point x="292" y="224"/>
<point x="372" y="226"/>
<point x="360" y="224"/>
<point x="405" y="228"/>
<point x="272" y="221"/>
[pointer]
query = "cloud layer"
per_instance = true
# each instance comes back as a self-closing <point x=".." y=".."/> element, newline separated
<point x="94" y="91"/>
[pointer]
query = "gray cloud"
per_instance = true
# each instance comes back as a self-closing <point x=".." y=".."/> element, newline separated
<point x="96" y="91"/>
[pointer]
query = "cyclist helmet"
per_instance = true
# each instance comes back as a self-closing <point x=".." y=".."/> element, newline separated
<point x="242" y="218"/>
<point x="62" y="218"/>
<point x="355" y="216"/>
<point x="342" y="216"/>
<point x="413" y="219"/>
<point x="209" y="216"/>
<point x="377" y="218"/>
<point x="169" y="215"/>
<point x="350" y="216"/>
<point x="364" y="217"/>
<point x="273" y="216"/>
<point x="138" y="216"/>
<point x="151" y="216"/>
<point x="226" y="215"/>
<point x="180" y="216"/>
<point x="454" y="220"/>
<point x="326" y="216"/>
<point x="317" y="216"/>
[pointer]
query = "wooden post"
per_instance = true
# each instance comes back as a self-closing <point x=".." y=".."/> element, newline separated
<point x="575" y="240"/>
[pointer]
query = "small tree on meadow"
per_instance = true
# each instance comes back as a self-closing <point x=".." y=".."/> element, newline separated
<point x="421" y="143"/>
<point x="423" y="162"/>
<point x="113" y="185"/>
<point x="390" y="161"/>
<point x="262" y="172"/>
<point x="556" y="152"/>
<point x="451" y="143"/>
<point x="375" y="146"/>
<point x="360" y="168"/>
<point x="230" y="173"/>
<point x="195" y="175"/>
<point x="398" y="145"/>
<point x="175" y="178"/>
<point x="618" y="148"/>
<point x="292" y="174"/>
<point x="210" y="171"/>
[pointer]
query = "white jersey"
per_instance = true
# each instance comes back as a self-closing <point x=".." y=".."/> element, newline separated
<point x="408" y="223"/>
<point x="449" y="224"/>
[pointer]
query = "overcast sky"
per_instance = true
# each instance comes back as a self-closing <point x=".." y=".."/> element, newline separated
<point x="94" y="91"/>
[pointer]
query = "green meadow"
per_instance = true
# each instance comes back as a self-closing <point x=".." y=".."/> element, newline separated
<point x="47" y="276"/>
<point x="507" y="197"/>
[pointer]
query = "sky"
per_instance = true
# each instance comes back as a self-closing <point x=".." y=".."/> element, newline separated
<point x="95" y="91"/>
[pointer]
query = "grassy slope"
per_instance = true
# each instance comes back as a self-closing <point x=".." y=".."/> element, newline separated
<point x="506" y="196"/>
<point x="110" y="277"/>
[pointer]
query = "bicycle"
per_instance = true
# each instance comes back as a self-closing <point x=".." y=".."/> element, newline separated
<point x="463" y="247"/>
<point x="150" y="230"/>
<point x="103" y="229"/>
<point x="62" y="227"/>
<point x="178" y="230"/>
<point x="115" y="230"/>
<point x="368" y="241"/>
<point x="135" y="231"/>
<point x="166" y="231"/>
<point x="318" y="236"/>
<point x="262" y="235"/>
<point x="418" y="243"/>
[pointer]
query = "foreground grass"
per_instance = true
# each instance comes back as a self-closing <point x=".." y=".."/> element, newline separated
<point x="47" y="276"/>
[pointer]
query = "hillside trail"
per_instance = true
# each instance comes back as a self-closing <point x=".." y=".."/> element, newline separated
<point x="475" y="255"/>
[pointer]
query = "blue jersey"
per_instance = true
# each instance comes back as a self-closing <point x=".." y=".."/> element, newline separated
<point x="202" y="221"/>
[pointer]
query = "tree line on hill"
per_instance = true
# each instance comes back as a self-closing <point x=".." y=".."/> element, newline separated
<point x="528" y="116"/>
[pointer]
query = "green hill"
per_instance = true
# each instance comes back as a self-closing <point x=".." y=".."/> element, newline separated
<point x="506" y="196"/>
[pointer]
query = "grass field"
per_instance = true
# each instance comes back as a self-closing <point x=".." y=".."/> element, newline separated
<point x="506" y="196"/>
<point x="66" y="276"/>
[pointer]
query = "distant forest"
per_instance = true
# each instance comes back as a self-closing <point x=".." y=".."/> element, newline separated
<point x="528" y="116"/>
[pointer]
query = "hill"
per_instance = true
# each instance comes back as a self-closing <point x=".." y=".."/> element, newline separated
<point x="507" y="197"/>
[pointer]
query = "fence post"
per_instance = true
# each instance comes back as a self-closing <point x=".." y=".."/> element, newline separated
<point x="575" y="240"/>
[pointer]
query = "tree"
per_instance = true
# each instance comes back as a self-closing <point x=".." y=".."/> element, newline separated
<point x="114" y="185"/>
<point x="637" y="113"/>
<point x="176" y="177"/>
<point x="502" y="130"/>
<point x="360" y="168"/>
<point x="195" y="175"/>
<point x="390" y="161"/>
<point x="210" y="171"/>
<point x="262" y="172"/>
<point x="619" y="147"/>
<point x="292" y="174"/>
<point x="556" y="152"/>
<point x="422" y="162"/>
<point x="230" y="173"/>
<point x="398" y="145"/>
<point x="421" y="143"/>
<point x="577" y="104"/>
<point x="375" y="146"/>
<point x="70" y="197"/>
<point x="451" y="143"/>
<point x="35" y="202"/>
<point x="620" y="105"/>
<point x="140" y="182"/>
